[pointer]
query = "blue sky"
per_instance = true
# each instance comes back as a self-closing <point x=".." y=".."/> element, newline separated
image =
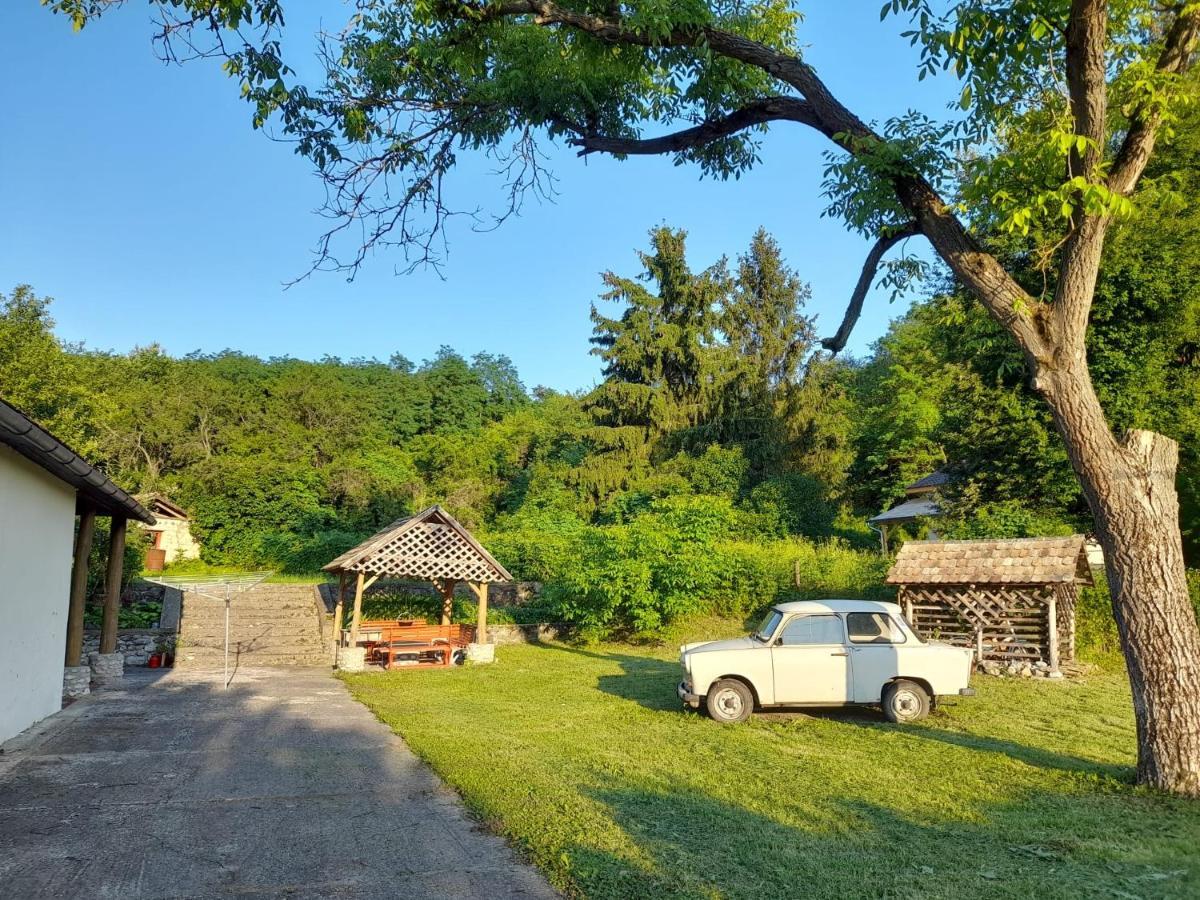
<point x="137" y="195"/>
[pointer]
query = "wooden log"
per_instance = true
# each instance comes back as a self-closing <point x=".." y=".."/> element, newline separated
<point x="112" y="585"/>
<point x="79" y="573"/>
<point x="356" y="617"/>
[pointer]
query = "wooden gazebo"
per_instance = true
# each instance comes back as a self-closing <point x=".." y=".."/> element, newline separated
<point x="1009" y="599"/>
<point x="429" y="546"/>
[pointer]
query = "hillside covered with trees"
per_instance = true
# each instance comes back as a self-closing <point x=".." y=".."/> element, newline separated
<point x="721" y="448"/>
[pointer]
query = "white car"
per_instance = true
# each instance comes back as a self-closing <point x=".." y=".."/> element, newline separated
<point x="825" y="653"/>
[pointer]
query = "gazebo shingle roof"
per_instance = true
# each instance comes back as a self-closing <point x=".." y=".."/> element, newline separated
<point x="1059" y="560"/>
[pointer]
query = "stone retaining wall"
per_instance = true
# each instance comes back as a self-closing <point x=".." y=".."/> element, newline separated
<point x="135" y="643"/>
<point x="517" y="593"/>
<point x="525" y="634"/>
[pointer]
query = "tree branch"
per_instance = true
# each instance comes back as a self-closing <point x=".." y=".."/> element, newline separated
<point x="768" y="109"/>
<point x="1087" y="86"/>
<point x="885" y="243"/>
<point x="1176" y="57"/>
<point x="978" y="270"/>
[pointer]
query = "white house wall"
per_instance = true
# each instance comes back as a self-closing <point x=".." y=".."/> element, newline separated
<point x="37" y="527"/>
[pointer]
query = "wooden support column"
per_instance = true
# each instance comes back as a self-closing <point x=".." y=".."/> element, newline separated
<point x="447" y="599"/>
<point x="356" y="618"/>
<point x="1052" y="630"/>
<point x="480" y="589"/>
<point x="79" y="573"/>
<point x="112" y="585"/>
<point x="337" y="610"/>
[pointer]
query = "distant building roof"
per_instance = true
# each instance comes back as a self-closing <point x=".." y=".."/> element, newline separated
<point x="39" y="446"/>
<point x="907" y="511"/>
<point x="161" y="506"/>
<point x="1053" y="560"/>
<point x="929" y="482"/>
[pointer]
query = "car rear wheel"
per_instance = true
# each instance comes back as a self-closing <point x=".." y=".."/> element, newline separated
<point x="905" y="701"/>
<point x="729" y="701"/>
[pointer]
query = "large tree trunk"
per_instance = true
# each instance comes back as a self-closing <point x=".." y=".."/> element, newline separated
<point x="1130" y="487"/>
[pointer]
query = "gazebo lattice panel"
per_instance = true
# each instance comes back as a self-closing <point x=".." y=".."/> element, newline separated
<point x="428" y="551"/>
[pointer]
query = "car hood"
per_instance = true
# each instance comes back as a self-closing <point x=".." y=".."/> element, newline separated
<point x="742" y="643"/>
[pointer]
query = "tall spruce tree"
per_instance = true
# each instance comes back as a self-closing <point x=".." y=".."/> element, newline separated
<point x="662" y="372"/>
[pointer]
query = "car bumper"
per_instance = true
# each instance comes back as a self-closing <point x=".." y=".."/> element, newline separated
<point x="685" y="694"/>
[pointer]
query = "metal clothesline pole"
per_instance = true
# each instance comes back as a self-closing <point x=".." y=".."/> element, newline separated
<point x="215" y="587"/>
<point x="227" y="598"/>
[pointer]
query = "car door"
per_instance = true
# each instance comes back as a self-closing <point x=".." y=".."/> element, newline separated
<point x="810" y="662"/>
<point x="875" y="647"/>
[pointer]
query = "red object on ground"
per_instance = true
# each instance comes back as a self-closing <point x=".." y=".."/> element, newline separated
<point x="155" y="661"/>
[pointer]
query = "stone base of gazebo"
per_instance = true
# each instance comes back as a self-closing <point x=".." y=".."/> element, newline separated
<point x="77" y="681"/>
<point x="106" y="667"/>
<point x="481" y="653"/>
<point x="352" y="659"/>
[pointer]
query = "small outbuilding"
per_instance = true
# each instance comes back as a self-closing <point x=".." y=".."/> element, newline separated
<point x="1012" y="600"/>
<point x="921" y="501"/>
<point x="171" y="536"/>
<point x="429" y="546"/>
<point x="45" y="489"/>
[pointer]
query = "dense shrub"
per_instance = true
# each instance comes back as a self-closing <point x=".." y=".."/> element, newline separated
<point x="795" y="504"/>
<point x="295" y="554"/>
<point x="683" y="556"/>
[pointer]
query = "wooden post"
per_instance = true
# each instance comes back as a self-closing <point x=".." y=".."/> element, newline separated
<point x="979" y="643"/>
<point x="356" y="619"/>
<point x="481" y="594"/>
<point x="883" y="538"/>
<point x="337" y="612"/>
<point x="79" y="573"/>
<point x="908" y="604"/>
<point x="112" y="585"/>
<point x="447" y="599"/>
<point x="1052" y="630"/>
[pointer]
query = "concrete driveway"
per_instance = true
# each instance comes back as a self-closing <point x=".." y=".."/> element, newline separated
<point x="282" y="786"/>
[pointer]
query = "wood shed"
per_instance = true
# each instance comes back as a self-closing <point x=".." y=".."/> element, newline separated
<point x="1012" y="600"/>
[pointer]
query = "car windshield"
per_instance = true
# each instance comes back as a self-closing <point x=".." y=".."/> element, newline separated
<point x="769" y="624"/>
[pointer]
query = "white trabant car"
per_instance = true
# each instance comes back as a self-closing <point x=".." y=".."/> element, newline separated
<point x="825" y="653"/>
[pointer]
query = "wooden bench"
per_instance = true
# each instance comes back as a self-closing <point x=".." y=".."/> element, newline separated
<point x="387" y="639"/>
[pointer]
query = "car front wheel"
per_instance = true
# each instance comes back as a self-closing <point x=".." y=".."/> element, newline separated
<point x="729" y="701"/>
<point x="905" y="701"/>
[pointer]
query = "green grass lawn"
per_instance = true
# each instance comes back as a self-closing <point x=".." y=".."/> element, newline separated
<point x="585" y="760"/>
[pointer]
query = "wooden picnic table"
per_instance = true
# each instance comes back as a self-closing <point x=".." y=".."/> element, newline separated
<point x="385" y="640"/>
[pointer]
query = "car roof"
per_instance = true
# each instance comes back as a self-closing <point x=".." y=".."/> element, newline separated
<point x="838" y="606"/>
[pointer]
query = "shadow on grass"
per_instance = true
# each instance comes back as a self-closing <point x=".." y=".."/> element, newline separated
<point x="651" y="683"/>
<point x="692" y="844"/>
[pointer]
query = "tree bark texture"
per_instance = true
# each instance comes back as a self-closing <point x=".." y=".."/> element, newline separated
<point x="1130" y="488"/>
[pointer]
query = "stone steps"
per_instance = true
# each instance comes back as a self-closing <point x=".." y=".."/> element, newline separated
<point x="273" y="625"/>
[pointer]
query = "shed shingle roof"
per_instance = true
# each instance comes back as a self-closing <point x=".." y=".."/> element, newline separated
<point x="1059" y="560"/>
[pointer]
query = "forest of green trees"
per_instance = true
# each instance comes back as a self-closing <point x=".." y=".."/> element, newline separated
<point x="721" y="447"/>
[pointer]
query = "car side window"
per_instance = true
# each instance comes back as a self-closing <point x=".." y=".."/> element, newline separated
<point x="802" y="630"/>
<point x="873" y="628"/>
